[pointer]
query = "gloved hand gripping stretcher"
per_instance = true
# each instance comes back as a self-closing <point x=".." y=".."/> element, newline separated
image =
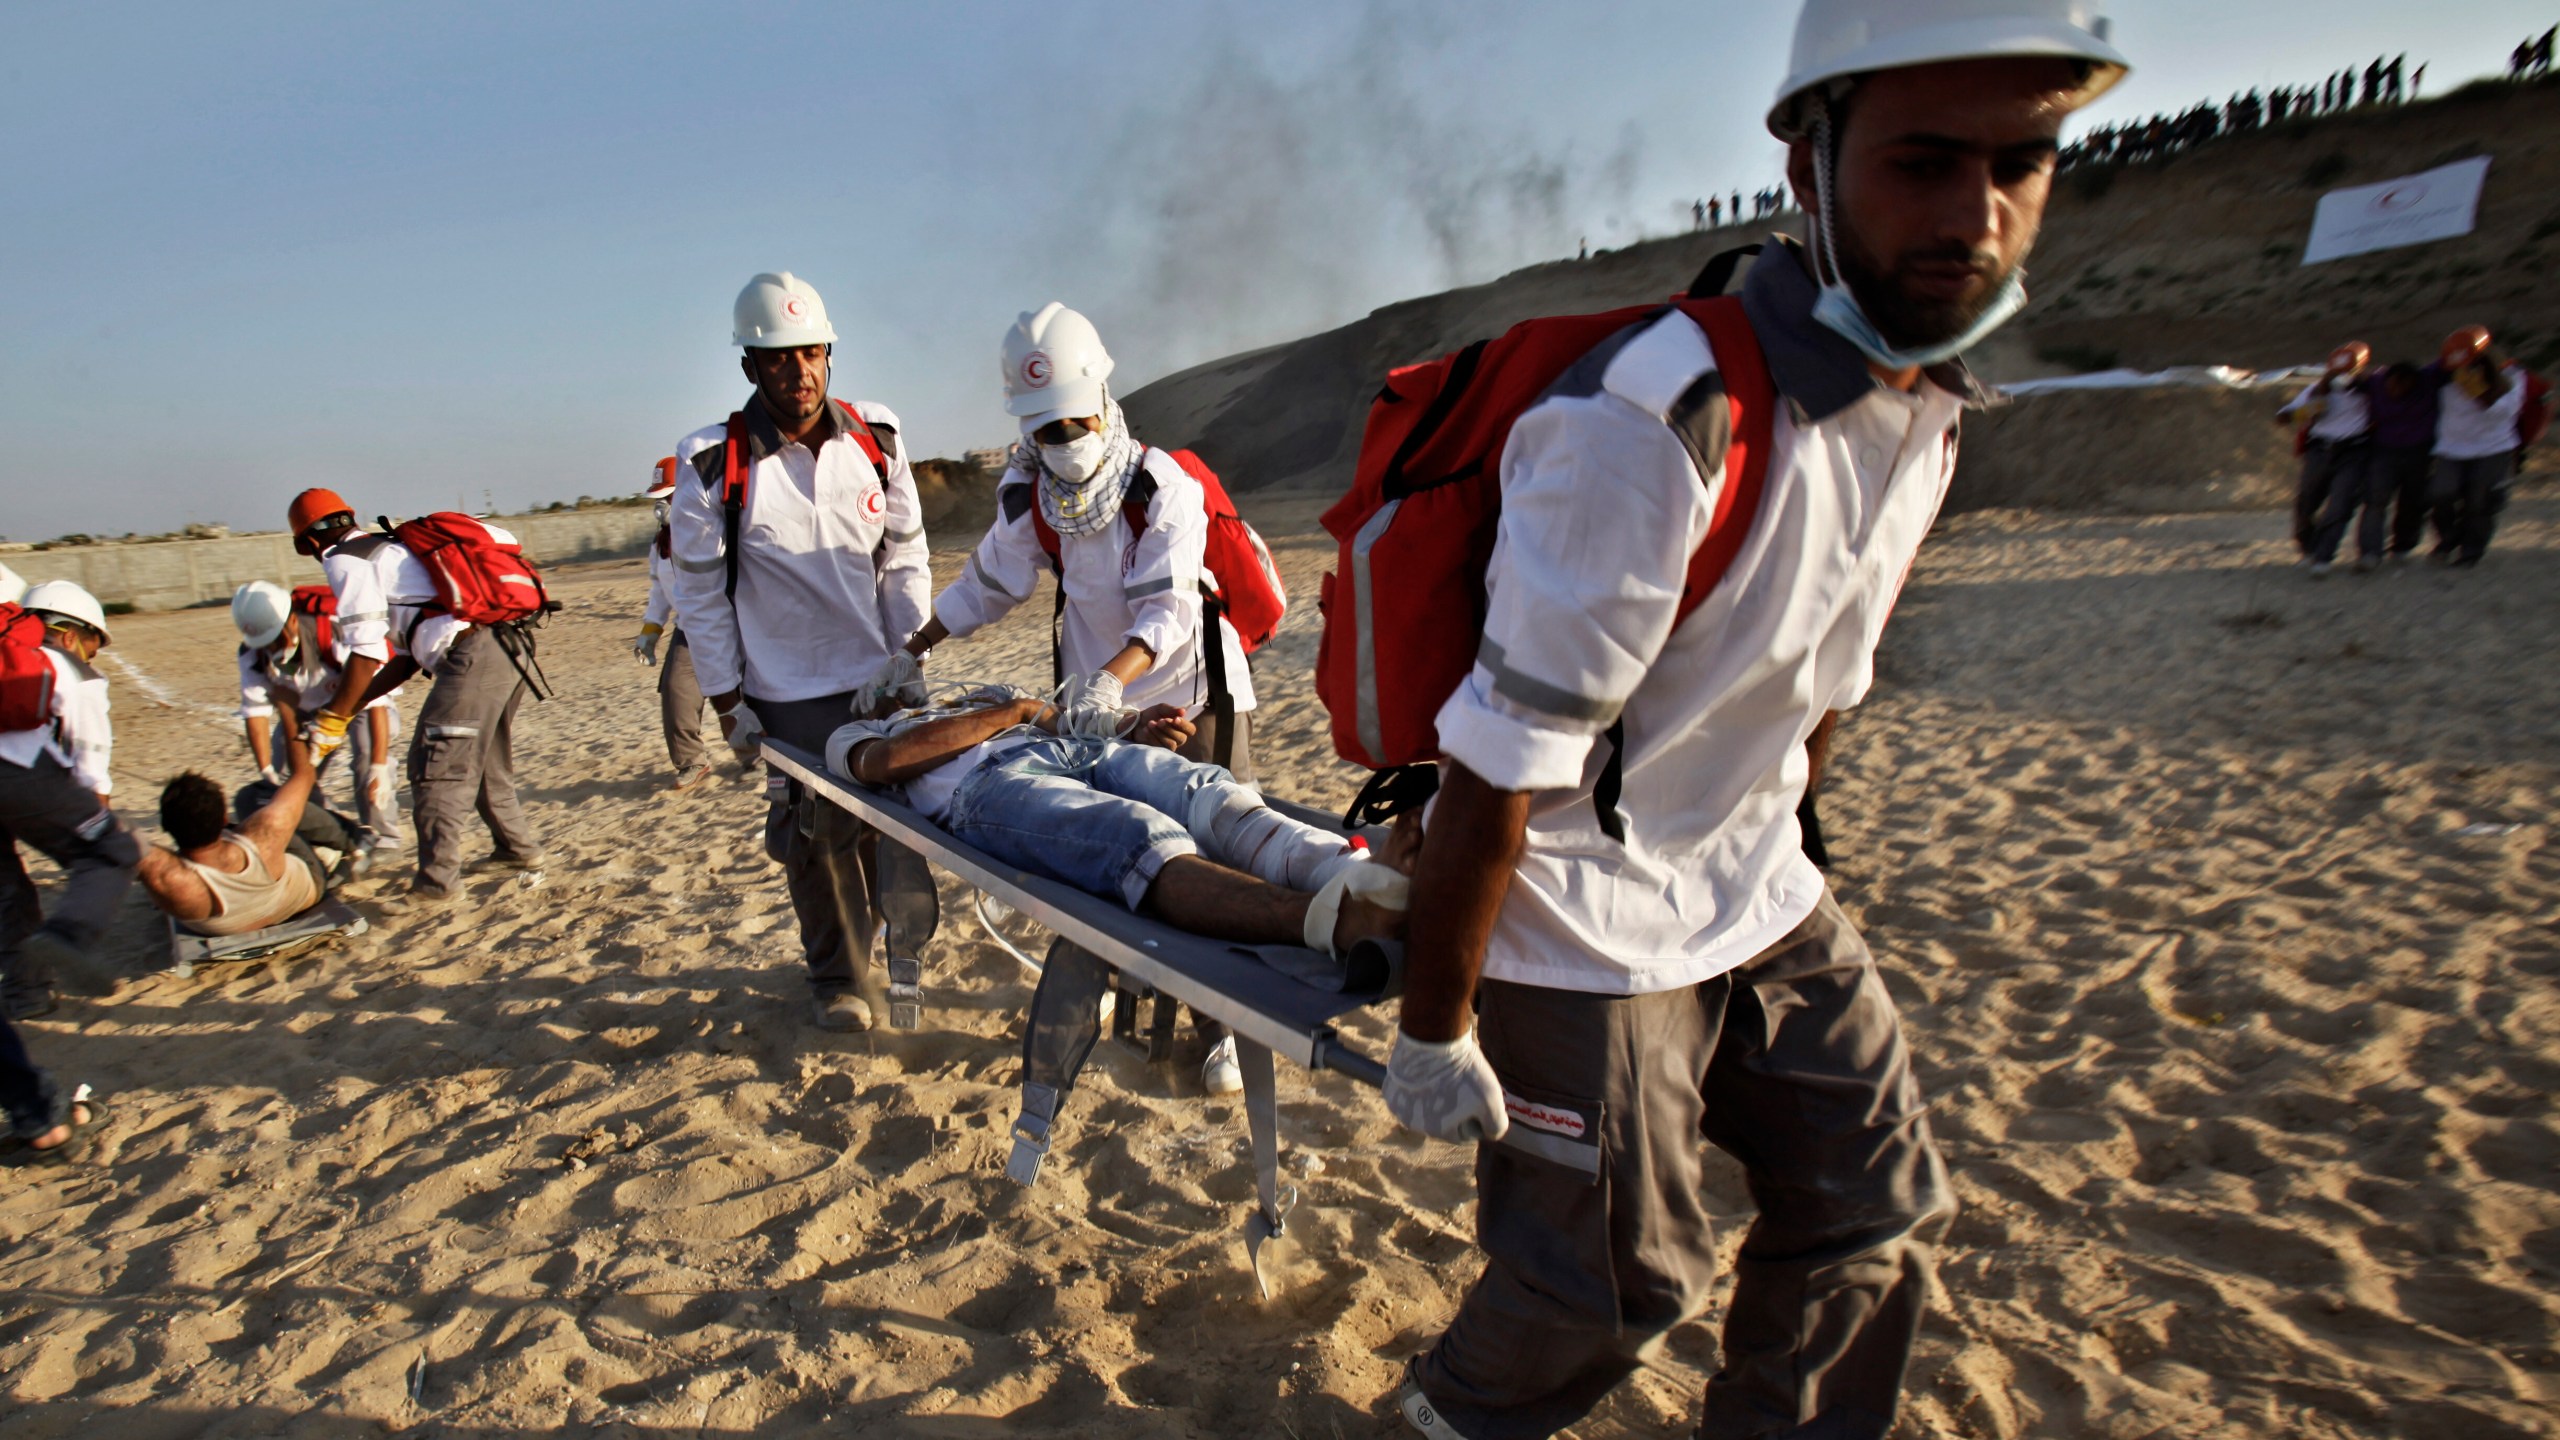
<point x="1278" y="999"/>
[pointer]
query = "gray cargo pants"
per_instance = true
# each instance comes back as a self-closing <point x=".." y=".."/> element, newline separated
<point x="825" y="853"/>
<point x="1795" y="1065"/>
<point x="45" y="807"/>
<point x="680" y="704"/>
<point x="463" y="758"/>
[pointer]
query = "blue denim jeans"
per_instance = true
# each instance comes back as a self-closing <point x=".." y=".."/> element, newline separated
<point x="1098" y="815"/>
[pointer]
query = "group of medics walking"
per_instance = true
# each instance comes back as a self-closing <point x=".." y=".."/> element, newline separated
<point x="2389" y="449"/>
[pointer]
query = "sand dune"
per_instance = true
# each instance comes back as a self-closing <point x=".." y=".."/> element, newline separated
<point x="2242" y="1037"/>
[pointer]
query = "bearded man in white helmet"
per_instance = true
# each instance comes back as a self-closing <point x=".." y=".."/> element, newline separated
<point x="1125" y="531"/>
<point x="1696" y="981"/>
<point x="800" y="566"/>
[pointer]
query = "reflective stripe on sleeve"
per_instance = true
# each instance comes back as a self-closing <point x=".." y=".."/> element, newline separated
<point x="901" y="537"/>
<point x="979" y="574"/>
<point x="702" y="567"/>
<point x="1540" y="696"/>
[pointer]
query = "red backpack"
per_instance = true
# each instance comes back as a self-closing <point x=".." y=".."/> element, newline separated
<point x="26" y="676"/>
<point x="2535" y="418"/>
<point x="479" y="578"/>
<point x="734" y="470"/>
<point x="1248" y="592"/>
<point x="1404" y="609"/>
<point x="318" y="604"/>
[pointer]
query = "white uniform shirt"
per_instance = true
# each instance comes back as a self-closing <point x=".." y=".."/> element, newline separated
<point x="80" y="735"/>
<point x="2344" y="414"/>
<point x="307" y="683"/>
<point x="383" y="600"/>
<point x="1602" y="505"/>
<point x="2466" y="429"/>
<point x="833" y="569"/>
<point x="1122" y="584"/>
<point x="661" y="607"/>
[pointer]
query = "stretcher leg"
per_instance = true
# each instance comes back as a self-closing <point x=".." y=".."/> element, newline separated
<point x="910" y="911"/>
<point x="1064" y="1026"/>
<point x="1262" y="1118"/>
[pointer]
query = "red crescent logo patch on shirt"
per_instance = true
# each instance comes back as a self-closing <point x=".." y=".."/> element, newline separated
<point x="874" y="504"/>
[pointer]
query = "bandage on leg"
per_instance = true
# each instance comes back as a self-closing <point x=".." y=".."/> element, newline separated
<point x="1236" y="829"/>
<point x="1370" y="884"/>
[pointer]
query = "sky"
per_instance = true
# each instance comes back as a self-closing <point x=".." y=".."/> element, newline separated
<point x="475" y="254"/>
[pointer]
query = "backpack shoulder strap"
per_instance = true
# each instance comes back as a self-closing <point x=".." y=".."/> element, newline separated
<point x="1139" y="497"/>
<point x="860" y="430"/>
<point x="733" y="495"/>
<point x="1733" y="407"/>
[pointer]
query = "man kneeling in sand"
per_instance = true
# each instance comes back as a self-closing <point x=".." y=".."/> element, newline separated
<point x="272" y="866"/>
<point x="1175" y="839"/>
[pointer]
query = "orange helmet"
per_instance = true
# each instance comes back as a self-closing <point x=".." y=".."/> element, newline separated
<point x="2464" y="346"/>
<point x="2350" y="358"/>
<point x="662" y="478"/>
<point x="316" y="509"/>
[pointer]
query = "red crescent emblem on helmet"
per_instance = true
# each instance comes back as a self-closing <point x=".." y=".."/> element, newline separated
<point x="1036" y="370"/>
<point x="795" y="307"/>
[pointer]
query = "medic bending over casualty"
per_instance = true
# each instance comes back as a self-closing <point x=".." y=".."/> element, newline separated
<point x="292" y="656"/>
<point x="274" y="864"/>
<point x="463" y="758"/>
<point x="679" y="692"/>
<point x="1628" y="953"/>
<point x="800" y="566"/>
<point x="1059" y="794"/>
<point x="1125" y="530"/>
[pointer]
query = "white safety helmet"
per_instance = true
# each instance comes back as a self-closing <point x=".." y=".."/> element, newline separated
<point x="12" y="586"/>
<point x="261" y="608"/>
<point x="1054" y="366"/>
<point x="780" y="312"/>
<point x="1838" y="40"/>
<point x="70" y="601"/>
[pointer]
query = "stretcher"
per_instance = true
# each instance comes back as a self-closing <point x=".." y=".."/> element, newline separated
<point x="329" y="920"/>
<point x="1281" y="1001"/>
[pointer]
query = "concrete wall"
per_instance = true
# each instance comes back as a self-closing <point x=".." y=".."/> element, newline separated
<point x="172" y="575"/>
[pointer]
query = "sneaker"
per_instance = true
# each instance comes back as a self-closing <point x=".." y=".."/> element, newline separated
<point x="841" y="1011"/>
<point x="2320" y="569"/>
<point x="79" y="971"/>
<point x="497" y="863"/>
<point x="31" y="1002"/>
<point x="691" y="775"/>
<point x="1220" y="1074"/>
<point x="1420" y="1413"/>
<point x="417" y="900"/>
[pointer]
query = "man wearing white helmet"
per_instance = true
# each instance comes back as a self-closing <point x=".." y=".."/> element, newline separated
<point x="53" y="796"/>
<point x="1130" y="530"/>
<point x="800" y="566"/>
<point x="679" y="690"/>
<point x="1695" y="979"/>
<point x="293" y="657"/>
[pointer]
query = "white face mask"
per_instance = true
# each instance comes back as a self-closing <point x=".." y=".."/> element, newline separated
<point x="1076" y="461"/>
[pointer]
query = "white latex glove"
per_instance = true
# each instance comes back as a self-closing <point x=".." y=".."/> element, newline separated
<point x="897" y="683"/>
<point x="274" y="776"/>
<point x="1089" y="707"/>
<point x="644" y="646"/>
<point x="377" y="786"/>
<point x="744" y="732"/>
<point x="1447" y="1090"/>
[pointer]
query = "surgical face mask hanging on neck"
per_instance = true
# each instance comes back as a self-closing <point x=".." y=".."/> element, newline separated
<point x="1838" y="309"/>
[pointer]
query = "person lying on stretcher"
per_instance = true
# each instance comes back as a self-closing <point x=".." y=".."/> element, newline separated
<point x="1171" y="838"/>
<point x="275" y="862"/>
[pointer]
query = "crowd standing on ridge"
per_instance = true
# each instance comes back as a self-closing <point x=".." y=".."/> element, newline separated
<point x="1713" y="213"/>
<point x="2402" y="445"/>
<point x="1632" y="950"/>
<point x="2381" y="82"/>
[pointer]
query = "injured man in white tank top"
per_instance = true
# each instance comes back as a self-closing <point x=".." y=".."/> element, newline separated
<point x="1110" y="808"/>
<point x="273" y="864"/>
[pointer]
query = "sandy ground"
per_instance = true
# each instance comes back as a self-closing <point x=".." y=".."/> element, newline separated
<point x="2242" y="1039"/>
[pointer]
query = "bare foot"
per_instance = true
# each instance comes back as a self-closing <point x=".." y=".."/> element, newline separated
<point x="61" y="1134"/>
